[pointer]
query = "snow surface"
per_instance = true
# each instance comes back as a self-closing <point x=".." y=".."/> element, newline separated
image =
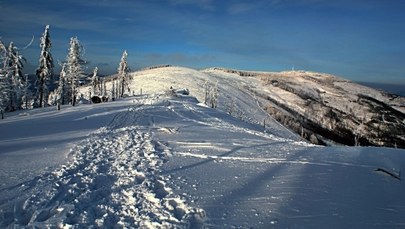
<point x="155" y="161"/>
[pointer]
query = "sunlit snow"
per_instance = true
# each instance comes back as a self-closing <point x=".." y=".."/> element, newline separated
<point x="160" y="161"/>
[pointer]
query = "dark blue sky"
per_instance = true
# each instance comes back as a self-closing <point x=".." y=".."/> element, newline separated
<point x="362" y="40"/>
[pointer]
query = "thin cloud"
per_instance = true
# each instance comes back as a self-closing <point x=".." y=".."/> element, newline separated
<point x="202" y="4"/>
<point x="32" y="15"/>
<point x="238" y="8"/>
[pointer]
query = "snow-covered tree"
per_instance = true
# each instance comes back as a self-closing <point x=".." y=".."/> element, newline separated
<point x="123" y="74"/>
<point x="117" y="89"/>
<point x="61" y="90"/>
<point x="15" y="62"/>
<point x="206" y="92"/>
<point x="11" y="78"/>
<point x="74" y="68"/>
<point x="211" y="94"/>
<point x="214" y="96"/>
<point x="104" y="88"/>
<point x="95" y="83"/>
<point x="3" y="93"/>
<point x="45" y="69"/>
<point x="4" y="79"/>
<point x="113" y="90"/>
<point x="26" y="94"/>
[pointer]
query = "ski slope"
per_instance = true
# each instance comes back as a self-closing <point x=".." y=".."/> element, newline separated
<point x="157" y="161"/>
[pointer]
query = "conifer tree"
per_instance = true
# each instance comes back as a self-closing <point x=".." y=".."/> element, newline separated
<point x="113" y="90"/>
<point x="17" y="77"/>
<point x="95" y="82"/>
<point x="117" y="89"/>
<point x="61" y="90"/>
<point x="206" y="92"/>
<point x="214" y="96"/>
<point x="4" y="79"/>
<point x="211" y="94"/>
<point x="26" y="94"/>
<point x="123" y="74"/>
<point x="104" y="88"/>
<point x="45" y="69"/>
<point x="74" y="68"/>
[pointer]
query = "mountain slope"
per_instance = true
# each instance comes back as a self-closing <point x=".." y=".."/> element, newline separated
<point x="232" y="91"/>
<point x="321" y="108"/>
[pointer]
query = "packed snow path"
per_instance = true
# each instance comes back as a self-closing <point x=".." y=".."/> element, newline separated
<point x="112" y="179"/>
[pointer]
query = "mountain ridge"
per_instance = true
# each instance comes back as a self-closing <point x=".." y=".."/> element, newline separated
<point x="334" y="108"/>
<point x="322" y="108"/>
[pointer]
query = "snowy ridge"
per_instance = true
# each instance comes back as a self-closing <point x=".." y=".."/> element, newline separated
<point x="322" y="108"/>
<point x="232" y="89"/>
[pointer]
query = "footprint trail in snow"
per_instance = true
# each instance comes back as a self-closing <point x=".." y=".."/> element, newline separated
<point x="112" y="180"/>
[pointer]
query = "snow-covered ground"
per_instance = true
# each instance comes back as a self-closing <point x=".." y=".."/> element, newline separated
<point x="155" y="161"/>
<point x="70" y="173"/>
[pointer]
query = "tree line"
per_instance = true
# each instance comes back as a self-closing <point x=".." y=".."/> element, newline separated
<point x="15" y="93"/>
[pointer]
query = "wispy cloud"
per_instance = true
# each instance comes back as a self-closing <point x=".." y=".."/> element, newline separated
<point x="26" y="16"/>
<point x="242" y="7"/>
<point x="202" y="4"/>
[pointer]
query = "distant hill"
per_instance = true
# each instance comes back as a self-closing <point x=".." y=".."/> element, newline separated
<point x="321" y="108"/>
<point x="396" y="89"/>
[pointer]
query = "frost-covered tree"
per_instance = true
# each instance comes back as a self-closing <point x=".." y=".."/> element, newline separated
<point x="117" y="89"/>
<point x="95" y="83"/>
<point x="15" y="62"/>
<point x="11" y="78"/>
<point x="45" y="69"/>
<point x="4" y="79"/>
<point x="211" y="94"/>
<point x="123" y="74"/>
<point x="61" y="90"/>
<point x="74" y="68"/>
<point x="206" y="92"/>
<point x="3" y="93"/>
<point x="104" y="88"/>
<point x="26" y="94"/>
<point x="113" y="90"/>
<point x="214" y="96"/>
